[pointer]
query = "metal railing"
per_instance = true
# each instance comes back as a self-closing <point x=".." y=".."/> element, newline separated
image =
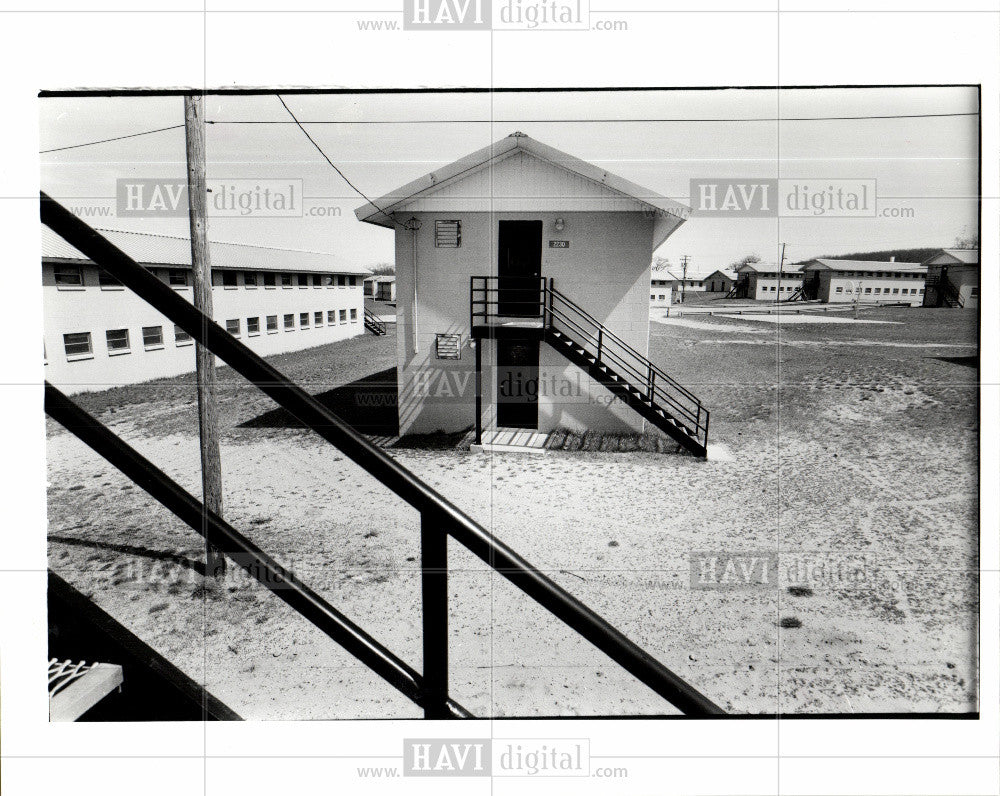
<point x="373" y="323"/>
<point x="950" y="293"/>
<point x="492" y="297"/>
<point x="541" y="299"/>
<point x="439" y="518"/>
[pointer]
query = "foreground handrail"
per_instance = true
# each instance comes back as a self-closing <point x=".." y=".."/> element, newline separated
<point x="243" y="552"/>
<point x="376" y="462"/>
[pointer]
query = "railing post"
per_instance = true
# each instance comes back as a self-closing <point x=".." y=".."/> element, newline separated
<point x="479" y="391"/>
<point x="434" y="586"/>
<point x="549" y="297"/>
<point x="652" y="381"/>
<point x="600" y="342"/>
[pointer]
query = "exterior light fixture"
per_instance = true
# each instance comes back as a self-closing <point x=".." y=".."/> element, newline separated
<point x="412" y="224"/>
<point x="560" y="224"/>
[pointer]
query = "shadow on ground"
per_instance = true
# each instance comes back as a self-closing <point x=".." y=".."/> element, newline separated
<point x="969" y="362"/>
<point x="368" y="405"/>
<point x="135" y="550"/>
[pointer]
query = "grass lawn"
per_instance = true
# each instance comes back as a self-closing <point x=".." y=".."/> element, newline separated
<point x="854" y="463"/>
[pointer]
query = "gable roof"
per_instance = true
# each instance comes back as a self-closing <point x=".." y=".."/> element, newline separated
<point x="770" y="268"/>
<point x="174" y="251"/>
<point x="954" y="256"/>
<point x="668" y="214"/>
<point x="865" y="265"/>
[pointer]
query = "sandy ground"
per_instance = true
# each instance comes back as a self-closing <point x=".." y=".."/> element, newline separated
<point x="854" y="464"/>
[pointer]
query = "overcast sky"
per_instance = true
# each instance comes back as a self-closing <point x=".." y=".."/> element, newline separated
<point x="927" y="164"/>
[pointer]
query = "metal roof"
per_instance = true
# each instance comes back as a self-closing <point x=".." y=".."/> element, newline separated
<point x="174" y="251"/>
<point x="668" y="213"/>
<point x="963" y="256"/>
<point x="869" y="265"/>
<point x="770" y="268"/>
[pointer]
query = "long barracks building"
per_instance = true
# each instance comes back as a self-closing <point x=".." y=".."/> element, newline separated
<point x="98" y="334"/>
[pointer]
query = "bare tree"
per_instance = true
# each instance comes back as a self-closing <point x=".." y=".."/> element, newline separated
<point x="661" y="264"/>
<point x="735" y="266"/>
<point x="967" y="240"/>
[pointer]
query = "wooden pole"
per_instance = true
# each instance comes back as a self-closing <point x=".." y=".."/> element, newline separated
<point x="201" y="269"/>
<point x="780" y="266"/>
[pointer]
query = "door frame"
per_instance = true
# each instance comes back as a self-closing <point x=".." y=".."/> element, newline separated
<point x="521" y="294"/>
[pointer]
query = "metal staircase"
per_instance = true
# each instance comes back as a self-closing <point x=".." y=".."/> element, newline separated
<point x="589" y="344"/>
<point x="373" y="323"/>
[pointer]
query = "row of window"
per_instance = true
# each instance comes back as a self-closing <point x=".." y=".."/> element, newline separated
<point x="880" y="274"/>
<point x="784" y="288"/>
<point x="79" y="345"/>
<point x="305" y="320"/>
<point x="71" y="276"/>
<point x="906" y="291"/>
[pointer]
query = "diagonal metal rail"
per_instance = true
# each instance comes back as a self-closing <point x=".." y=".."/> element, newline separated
<point x="438" y="515"/>
<point x="243" y="552"/>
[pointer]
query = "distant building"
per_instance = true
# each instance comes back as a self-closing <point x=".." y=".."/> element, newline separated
<point x="719" y="282"/>
<point x="763" y="282"/>
<point x="98" y="334"/>
<point x="881" y="282"/>
<point x="381" y="287"/>
<point x="953" y="279"/>
<point x="693" y="284"/>
<point x="661" y="288"/>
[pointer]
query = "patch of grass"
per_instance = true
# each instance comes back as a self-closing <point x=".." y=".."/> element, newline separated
<point x="790" y="622"/>
<point x="800" y="591"/>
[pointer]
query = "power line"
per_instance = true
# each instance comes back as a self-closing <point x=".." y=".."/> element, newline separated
<point x="332" y="164"/>
<point x="107" y="140"/>
<point x="606" y="121"/>
<point x="507" y="121"/>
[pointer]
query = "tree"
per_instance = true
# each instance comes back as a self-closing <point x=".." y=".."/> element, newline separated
<point x="735" y="266"/>
<point x="967" y="240"/>
<point x="380" y="269"/>
<point x="661" y="263"/>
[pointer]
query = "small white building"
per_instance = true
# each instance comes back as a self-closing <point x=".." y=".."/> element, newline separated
<point x="685" y="286"/>
<point x="381" y="287"/>
<point x="953" y="279"/>
<point x="875" y="282"/>
<point x="661" y="289"/>
<point x="479" y="244"/>
<point x="98" y="334"/>
<point x="764" y="282"/>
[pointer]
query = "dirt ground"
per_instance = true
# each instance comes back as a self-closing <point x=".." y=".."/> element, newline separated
<point x="853" y="462"/>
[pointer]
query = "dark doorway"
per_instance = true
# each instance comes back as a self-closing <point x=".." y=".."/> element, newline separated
<point x="517" y="383"/>
<point x="519" y="268"/>
<point x="810" y="286"/>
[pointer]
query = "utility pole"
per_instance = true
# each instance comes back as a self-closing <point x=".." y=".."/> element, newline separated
<point x="781" y="265"/>
<point x="684" y="266"/>
<point x="201" y="269"/>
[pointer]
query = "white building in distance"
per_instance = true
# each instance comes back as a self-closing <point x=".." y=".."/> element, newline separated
<point x="876" y="282"/>
<point x="766" y="282"/>
<point x="953" y="279"/>
<point x="98" y="334"/>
